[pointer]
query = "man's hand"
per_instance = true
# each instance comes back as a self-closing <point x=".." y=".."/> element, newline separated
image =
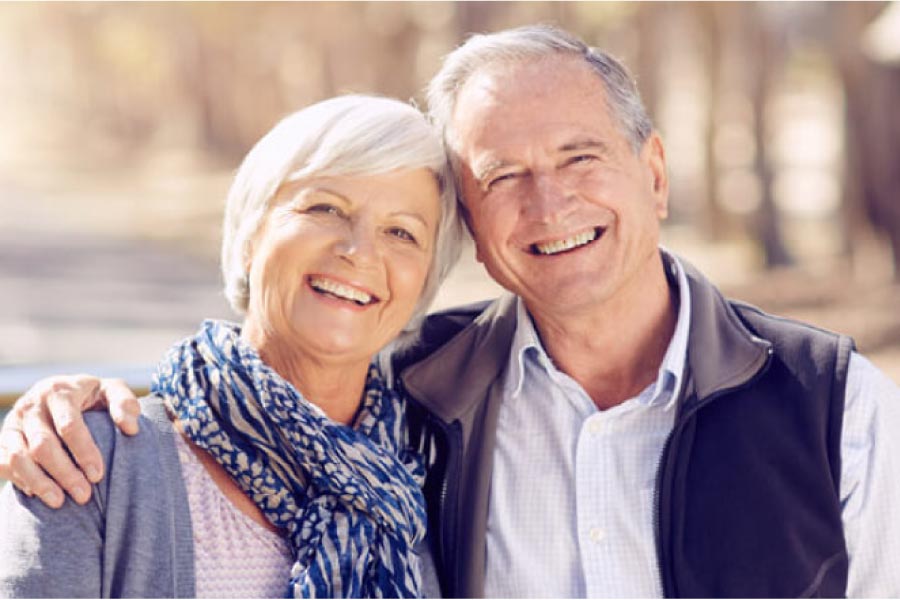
<point x="32" y="455"/>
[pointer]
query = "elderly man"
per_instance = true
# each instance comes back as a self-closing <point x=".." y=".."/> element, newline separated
<point x="614" y="426"/>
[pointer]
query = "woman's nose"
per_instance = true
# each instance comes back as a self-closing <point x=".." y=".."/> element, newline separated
<point x="358" y="245"/>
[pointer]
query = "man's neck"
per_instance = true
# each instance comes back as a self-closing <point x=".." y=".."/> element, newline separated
<point x="614" y="351"/>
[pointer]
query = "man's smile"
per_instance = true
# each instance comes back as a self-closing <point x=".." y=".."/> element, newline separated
<point x="567" y="244"/>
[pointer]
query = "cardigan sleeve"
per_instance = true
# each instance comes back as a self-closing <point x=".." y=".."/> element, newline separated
<point x="51" y="553"/>
<point x="132" y="539"/>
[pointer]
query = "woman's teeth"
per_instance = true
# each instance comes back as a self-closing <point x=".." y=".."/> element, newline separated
<point x="558" y="246"/>
<point x="345" y="292"/>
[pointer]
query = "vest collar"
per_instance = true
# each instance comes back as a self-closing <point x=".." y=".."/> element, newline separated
<point x="455" y="377"/>
<point x="722" y="352"/>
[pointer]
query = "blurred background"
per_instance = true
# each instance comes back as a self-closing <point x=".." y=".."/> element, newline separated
<point x="122" y="123"/>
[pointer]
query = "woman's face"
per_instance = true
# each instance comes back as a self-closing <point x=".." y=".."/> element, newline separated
<point x="339" y="263"/>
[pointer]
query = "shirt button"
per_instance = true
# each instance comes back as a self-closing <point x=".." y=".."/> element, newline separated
<point x="597" y="534"/>
<point x="595" y="427"/>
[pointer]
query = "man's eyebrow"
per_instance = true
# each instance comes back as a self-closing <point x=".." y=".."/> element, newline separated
<point x="585" y="144"/>
<point x="483" y="170"/>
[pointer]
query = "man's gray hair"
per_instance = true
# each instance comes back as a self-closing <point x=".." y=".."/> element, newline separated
<point x="343" y="136"/>
<point x="529" y="43"/>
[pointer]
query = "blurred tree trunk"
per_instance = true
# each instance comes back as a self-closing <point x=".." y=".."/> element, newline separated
<point x="396" y="64"/>
<point x="474" y="17"/>
<point x="716" y="20"/>
<point x="768" y="49"/>
<point x="872" y="92"/>
<point x="648" y="31"/>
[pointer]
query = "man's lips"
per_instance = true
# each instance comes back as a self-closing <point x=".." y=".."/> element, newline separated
<point x="340" y="290"/>
<point x="567" y="244"/>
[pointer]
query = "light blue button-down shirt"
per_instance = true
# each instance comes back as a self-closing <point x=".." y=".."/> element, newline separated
<point x="571" y="507"/>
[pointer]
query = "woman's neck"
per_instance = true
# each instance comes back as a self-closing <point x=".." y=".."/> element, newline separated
<point x="335" y="386"/>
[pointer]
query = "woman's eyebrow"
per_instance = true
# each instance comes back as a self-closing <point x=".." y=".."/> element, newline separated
<point x="317" y="189"/>
<point x="412" y="215"/>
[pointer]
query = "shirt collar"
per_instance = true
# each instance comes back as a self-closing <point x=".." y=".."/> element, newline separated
<point x="526" y="346"/>
<point x="671" y="371"/>
<point x="524" y="339"/>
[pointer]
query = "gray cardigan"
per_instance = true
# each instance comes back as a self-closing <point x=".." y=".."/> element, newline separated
<point x="132" y="539"/>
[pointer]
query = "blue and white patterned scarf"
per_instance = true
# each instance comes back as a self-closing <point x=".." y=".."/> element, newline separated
<point x="349" y="499"/>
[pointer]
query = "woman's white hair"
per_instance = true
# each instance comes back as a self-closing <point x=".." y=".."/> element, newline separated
<point x="529" y="43"/>
<point x="343" y="136"/>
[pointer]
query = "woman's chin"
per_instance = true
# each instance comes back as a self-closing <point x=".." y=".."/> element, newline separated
<point x="344" y="334"/>
<point x="335" y="342"/>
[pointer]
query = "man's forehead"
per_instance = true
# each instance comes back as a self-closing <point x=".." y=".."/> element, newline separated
<point x="500" y="93"/>
<point x="501" y="78"/>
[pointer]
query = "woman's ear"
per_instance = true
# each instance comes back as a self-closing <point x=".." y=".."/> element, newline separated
<point x="247" y="263"/>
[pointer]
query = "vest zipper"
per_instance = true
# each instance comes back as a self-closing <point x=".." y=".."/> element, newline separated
<point x="657" y="534"/>
<point x="448" y="507"/>
<point x="680" y="421"/>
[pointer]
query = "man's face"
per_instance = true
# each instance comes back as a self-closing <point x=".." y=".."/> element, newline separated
<point x="563" y="212"/>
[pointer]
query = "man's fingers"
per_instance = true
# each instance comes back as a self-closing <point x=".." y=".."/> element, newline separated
<point x="124" y="408"/>
<point x="46" y="450"/>
<point x="10" y="442"/>
<point x="69" y="424"/>
<point x="19" y="469"/>
<point x="81" y="391"/>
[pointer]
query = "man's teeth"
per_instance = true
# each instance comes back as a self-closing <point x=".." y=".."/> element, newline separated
<point x="567" y="244"/>
<point x="340" y="290"/>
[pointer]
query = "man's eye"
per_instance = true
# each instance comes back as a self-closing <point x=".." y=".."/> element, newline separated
<point x="402" y="234"/>
<point x="501" y="179"/>
<point x="581" y="158"/>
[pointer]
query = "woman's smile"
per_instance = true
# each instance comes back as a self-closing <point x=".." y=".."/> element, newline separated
<point x="344" y="293"/>
<point x="362" y="246"/>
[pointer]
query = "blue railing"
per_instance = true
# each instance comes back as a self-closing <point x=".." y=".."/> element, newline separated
<point x="15" y="380"/>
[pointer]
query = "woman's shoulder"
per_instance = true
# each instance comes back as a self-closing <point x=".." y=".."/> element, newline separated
<point x="134" y="511"/>
<point x="155" y="429"/>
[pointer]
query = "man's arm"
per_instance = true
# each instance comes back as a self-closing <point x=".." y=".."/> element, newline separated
<point x="46" y="422"/>
<point x="870" y="481"/>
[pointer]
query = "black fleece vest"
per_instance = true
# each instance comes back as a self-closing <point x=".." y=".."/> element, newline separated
<point x="749" y="485"/>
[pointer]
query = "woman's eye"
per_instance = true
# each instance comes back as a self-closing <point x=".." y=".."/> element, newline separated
<point x="323" y="208"/>
<point x="402" y="234"/>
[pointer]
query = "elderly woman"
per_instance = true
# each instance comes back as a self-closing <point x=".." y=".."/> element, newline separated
<point x="272" y="456"/>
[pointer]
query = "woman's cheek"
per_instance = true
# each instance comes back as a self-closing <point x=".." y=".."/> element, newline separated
<point x="274" y="299"/>
<point x="413" y="276"/>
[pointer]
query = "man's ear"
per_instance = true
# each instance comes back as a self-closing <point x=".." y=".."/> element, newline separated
<point x="654" y="156"/>
<point x="467" y="219"/>
<point x="478" y="257"/>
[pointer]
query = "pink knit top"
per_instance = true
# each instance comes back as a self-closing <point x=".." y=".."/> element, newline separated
<point x="234" y="556"/>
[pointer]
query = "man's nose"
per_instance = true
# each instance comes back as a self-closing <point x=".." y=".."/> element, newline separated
<point x="550" y="199"/>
